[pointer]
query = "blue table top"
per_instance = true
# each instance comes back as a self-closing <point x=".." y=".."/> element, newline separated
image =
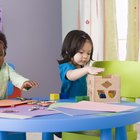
<point x="62" y="122"/>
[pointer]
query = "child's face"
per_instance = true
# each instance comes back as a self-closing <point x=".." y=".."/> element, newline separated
<point x="82" y="57"/>
<point x="1" y="54"/>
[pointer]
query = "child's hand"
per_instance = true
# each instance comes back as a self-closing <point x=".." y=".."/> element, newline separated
<point x="94" y="70"/>
<point x="29" y="84"/>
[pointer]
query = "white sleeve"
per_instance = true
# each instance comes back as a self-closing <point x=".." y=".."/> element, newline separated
<point x="16" y="79"/>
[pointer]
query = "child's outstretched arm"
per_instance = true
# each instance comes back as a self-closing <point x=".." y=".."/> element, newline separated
<point x="78" y="73"/>
<point x="29" y="84"/>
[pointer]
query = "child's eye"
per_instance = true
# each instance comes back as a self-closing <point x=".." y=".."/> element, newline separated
<point x="88" y="53"/>
<point x="81" y="52"/>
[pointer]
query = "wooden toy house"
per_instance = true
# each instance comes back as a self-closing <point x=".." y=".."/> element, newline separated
<point x="103" y="89"/>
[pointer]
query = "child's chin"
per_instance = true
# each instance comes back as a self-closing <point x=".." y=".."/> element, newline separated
<point x="83" y="64"/>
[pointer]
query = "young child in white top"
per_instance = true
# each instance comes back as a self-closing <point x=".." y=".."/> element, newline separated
<point x="7" y="73"/>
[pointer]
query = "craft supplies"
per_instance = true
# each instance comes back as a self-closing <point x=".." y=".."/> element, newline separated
<point x="36" y="108"/>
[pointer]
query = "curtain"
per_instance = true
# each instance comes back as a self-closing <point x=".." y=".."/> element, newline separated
<point x="98" y="19"/>
<point x="110" y="31"/>
<point x="90" y="19"/>
<point x="133" y="31"/>
<point x="139" y="27"/>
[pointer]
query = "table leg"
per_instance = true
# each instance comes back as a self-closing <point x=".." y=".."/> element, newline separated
<point x="121" y="133"/>
<point x="3" y="135"/>
<point x="106" y="134"/>
<point x="47" y="136"/>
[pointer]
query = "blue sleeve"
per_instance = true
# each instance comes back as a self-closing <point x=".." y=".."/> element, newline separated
<point x="63" y="69"/>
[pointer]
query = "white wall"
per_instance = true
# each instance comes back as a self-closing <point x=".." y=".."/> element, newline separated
<point x="69" y="16"/>
<point x="34" y="35"/>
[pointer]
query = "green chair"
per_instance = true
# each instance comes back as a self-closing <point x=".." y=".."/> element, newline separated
<point x="129" y="72"/>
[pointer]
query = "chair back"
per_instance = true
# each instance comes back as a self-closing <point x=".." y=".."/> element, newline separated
<point x="13" y="91"/>
<point x="129" y="72"/>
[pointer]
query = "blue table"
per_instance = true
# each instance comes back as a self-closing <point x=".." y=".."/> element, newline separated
<point x="61" y="123"/>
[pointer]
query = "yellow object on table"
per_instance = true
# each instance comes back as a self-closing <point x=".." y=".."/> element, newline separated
<point x="54" y="96"/>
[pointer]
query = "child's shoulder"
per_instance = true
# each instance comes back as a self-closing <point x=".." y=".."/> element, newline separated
<point x="6" y="65"/>
<point x="67" y="65"/>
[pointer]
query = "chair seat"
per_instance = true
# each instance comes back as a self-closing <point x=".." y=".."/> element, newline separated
<point x="78" y="136"/>
<point x="93" y="135"/>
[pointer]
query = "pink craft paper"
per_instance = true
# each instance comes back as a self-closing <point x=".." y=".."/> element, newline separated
<point x="8" y="102"/>
<point x="98" y="106"/>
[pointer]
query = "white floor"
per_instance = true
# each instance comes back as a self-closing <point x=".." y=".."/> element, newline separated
<point x="37" y="136"/>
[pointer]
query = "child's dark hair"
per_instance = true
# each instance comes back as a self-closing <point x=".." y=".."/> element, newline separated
<point x="72" y="43"/>
<point x="3" y="41"/>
